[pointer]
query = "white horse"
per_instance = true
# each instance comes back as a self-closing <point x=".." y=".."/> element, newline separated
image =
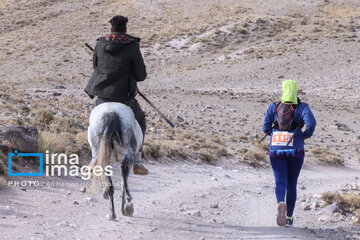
<point x="112" y="131"/>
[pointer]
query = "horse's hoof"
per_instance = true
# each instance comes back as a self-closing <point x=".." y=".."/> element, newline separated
<point x="106" y="195"/>
<point x="129" y="209"/>
<point x="110" y="216"/>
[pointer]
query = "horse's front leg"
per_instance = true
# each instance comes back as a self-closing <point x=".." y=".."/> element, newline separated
<point x="127" y="207"/>
<point x="109" y="194"/>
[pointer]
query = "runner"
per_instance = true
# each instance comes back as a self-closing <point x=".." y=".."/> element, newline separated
<point x="283" y="122"/>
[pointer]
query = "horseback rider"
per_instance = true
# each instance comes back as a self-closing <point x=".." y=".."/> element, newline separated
<point x="118" y="66"/>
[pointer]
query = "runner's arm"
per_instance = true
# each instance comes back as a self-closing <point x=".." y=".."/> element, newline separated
<point x="309" y="121"/>
<point x="268" y="120"/>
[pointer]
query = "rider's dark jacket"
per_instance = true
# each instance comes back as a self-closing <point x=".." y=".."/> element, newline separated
<point x="118" y="66"/>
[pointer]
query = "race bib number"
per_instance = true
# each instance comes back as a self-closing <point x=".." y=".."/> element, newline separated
<point x="282" y="138"/>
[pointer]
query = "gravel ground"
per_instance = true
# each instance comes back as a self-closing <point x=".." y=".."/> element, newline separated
<point x="213" y="74"/>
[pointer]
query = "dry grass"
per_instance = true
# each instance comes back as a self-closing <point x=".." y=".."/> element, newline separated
<point x="57" y="134"/>
<point x="64" y="142"/>
<point x="3" y="165"/>
<point x="263" y="146"/>
<point x="256" y="155"/>
<point x="43" y="116"/>
<point x="349" y="201"/>
<point x="240" y="138"/>
<point x="9" y="106"/>
<point x="66" y="124"/>
<point x="183" y="144"/>
<point x="152" y="150"/>
<point x="3" y="182"/>
<point x="340" y="12"/>
<point x="326" y="156"/>
<point x="255" y="158"/>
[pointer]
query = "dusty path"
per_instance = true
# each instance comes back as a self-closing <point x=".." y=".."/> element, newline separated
<point x="218" y="72"/>
<point x="173" y="202"/>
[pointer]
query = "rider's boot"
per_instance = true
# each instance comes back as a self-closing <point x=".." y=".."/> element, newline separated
<point x="138" y="168"/>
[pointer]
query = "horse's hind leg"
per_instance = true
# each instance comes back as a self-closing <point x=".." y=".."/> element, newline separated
<point x="109" y="194"/>
<point x="127" y="207"/>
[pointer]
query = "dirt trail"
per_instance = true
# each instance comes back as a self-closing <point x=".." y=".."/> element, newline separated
<point x="214" y="74"/>
<point x="173" y="202"/>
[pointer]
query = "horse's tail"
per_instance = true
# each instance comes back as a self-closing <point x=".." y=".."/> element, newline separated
<point x="111" y="134"/>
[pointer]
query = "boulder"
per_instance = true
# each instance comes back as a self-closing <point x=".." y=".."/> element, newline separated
<point x="23" y="139"/>
<point x="333" y="208"/>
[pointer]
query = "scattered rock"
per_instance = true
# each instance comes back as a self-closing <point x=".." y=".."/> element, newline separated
<point x="202" y="195"/>
<point x="153" y="229"/>
<point x="214" y="205"/>
<point x="19" y="138"/>
<point x="354" y="186"/>
<point x="342" y="127"/>
<point x="354" y="220"/>
<point x="195" y="213"/>
<point x="180" y="119"/>
<point x="91" y="199"/>
<point x="346" y="187"/>
<point x="324" y="218"/>
<point x="60" y="87"/>
<point x="80" y="125"/>
<point x="83" y="189"/>
<point x="66" y="224"/>
<point x="314" y="205"/>
<point x="221" y="58"/>
<point x="55" y="94"/>
<point x="62" y="114"/>
<point x="305" y="206"/>
<point x="317" y="196"/>
<point x="63" y="223"/>
<point x="76" y="202"/>
<point x="25" y="111"/>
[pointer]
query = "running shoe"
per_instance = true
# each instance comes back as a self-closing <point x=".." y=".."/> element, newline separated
<point x="289" y="221"/>
<point x="281" y="216"/>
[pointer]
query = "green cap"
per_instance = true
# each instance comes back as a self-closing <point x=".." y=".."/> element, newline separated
<point x="289" y="92"/>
